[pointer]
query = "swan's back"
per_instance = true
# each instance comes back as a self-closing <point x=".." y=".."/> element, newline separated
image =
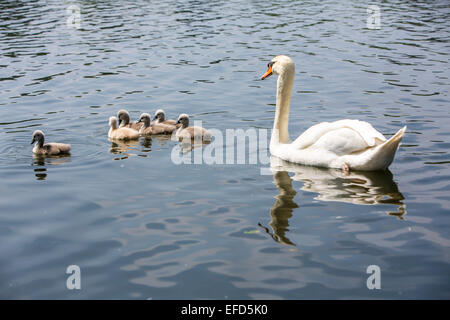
<point x="364" y="134"/>
<point x="340" y="145"/>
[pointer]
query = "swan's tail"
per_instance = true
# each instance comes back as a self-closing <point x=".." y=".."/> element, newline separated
<point x="384" y="154"/>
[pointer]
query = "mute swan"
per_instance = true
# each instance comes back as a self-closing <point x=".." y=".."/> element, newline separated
<point x="50" y="149"/>
<point x="160" y="117"/>
<point x="124" y="120"/>
<point x="156" y="128"/>
<point x="185" y="132"/>
<point x="122" y="133"/>
<point x="346" y="144"/>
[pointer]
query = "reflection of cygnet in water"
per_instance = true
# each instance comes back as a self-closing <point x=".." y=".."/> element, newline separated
<point x="123" y="146"/>
<point x="40" y="162"/>
<point x="161" y="139"/>
<point x="186" y="147"/>
<point x="362" y="188"/>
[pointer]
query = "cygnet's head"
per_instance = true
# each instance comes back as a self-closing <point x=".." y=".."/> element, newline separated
<point x="279" y="65"/>
<point x="38" y="135"/>
<point x="160" y="115"/>
<point x="145" y="118"/>
<point x="183" y="119"/>
<point x="113" y="122"/>
<point x="124" y="116"/>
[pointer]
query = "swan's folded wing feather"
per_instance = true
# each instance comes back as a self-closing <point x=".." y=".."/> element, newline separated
<point x="311" y="135"/>
<point x="365" y="129"/>
<point x="371" y="136"/>
<point x="341" y="141"/>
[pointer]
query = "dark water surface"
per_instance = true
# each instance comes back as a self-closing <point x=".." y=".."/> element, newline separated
<point x="140" y="226"/>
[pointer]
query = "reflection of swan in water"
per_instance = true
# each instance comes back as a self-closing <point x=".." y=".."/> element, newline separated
<point x="282" y="209"/>
<point x="362" y="188"/>
<point x="40" y="161"/>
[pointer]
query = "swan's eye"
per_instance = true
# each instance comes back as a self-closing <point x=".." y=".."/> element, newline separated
<point x="270" y="64"/>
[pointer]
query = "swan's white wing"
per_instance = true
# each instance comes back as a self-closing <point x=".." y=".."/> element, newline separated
<point x="342" y="141"/>
<point x="343" y="136"/>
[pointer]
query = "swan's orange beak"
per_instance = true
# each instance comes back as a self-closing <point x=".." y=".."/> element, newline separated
<point x="268" y="73"/>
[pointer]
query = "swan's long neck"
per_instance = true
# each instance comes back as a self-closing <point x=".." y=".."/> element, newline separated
<point x="285" y="82"/>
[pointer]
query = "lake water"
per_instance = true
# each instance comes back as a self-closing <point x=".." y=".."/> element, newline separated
<point x="140" y="226"/>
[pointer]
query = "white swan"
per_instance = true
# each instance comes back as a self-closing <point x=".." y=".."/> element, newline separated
<point x="356" y="187"/>
<point x="346" y="144"/>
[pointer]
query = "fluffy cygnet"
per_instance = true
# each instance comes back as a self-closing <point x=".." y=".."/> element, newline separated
<point x="51" y="148"/>
<point x="155" y="128"/>
<point x="124" y="120"/>
<point x="187" y="132"/>
<point x="122" y="133"/>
